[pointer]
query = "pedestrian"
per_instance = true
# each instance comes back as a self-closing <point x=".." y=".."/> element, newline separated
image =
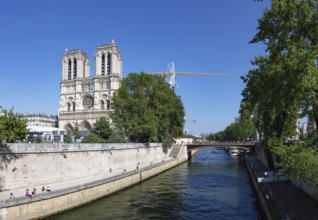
<point x="28" y="194"/>
<point x="48" y="189"/>
<point x="12" y="197"/>
<point x="34" y="192"/>
<point x="43" y="189"/>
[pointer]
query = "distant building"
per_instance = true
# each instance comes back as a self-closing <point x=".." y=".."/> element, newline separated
<point x="44" y="126"/>
<point x="84" y="98"/>
<point x="41" y="120"/>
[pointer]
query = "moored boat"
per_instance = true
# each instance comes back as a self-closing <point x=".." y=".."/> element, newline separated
<point x="233" y="151"/>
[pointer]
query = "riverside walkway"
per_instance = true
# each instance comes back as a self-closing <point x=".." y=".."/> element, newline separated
<point x="283" y="199"/>
<point x="61" y="188"/>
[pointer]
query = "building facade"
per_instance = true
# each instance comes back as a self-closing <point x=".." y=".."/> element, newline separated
<point x="85" y="98"/>
<point x="44" y="127"/>
<point x="41" y="120"/>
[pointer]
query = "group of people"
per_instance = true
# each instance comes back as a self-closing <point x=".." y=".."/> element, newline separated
<point x="48" y="189"/>
<point x="28" y="194"/>
<point x="33" y="193"/>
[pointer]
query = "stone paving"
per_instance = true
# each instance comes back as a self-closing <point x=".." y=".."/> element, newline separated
<point x="285" y="201"/>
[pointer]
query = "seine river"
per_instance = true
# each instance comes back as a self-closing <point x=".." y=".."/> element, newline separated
<point x="213" y="185"/>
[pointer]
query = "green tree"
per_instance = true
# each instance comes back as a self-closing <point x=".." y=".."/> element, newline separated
<point x="289" y="73"/>
<point x="102" y="128"/>
<point x="13" y="126"/>
<point x="92" y="138"/>
<point x="298" y="162"/>
<point x="241" y="130"/>
<point x="76" y="132"/>
<point x="146" y="109"/>
<point x="218" y="136"/>
<point x="38" y="139"/>
<point x="68" y="138"/>
<point x="284" y="81"/>
<point x="117" y="136"/>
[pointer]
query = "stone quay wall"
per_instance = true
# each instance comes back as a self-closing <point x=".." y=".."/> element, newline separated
<point x="31" y="165"/>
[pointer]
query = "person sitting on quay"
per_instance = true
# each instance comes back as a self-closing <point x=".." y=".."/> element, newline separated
<point x="48" y="189"/>
<point x="34" y="192"/>
<point x="12" y="197"/>
<point x="28" y="194"/>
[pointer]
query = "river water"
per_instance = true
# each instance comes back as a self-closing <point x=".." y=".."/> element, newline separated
<point x="213" y="185"/>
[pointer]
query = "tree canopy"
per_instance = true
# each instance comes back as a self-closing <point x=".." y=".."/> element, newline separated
<point x="283" y="83"/>
<point x="241" y="130"/>
<point x="146" y="109"/>
<point x="92" y="138"/>
<point x="13" y="127"/>
<point x="103" y="132"/>
<point x="102" y="128"/>
<point x="285" y="79"/>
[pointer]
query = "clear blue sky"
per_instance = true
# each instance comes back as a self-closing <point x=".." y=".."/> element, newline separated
<point x="198" y="35"/>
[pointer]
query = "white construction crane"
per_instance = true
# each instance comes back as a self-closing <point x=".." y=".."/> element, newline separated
<point x="171" y="72"/>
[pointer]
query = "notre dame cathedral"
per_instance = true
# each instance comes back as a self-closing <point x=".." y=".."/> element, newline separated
<point x="85" y="98"/>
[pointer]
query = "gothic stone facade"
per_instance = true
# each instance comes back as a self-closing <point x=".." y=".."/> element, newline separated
<point x="85" y="98"/>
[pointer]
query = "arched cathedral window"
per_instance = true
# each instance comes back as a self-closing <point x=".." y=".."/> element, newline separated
<point x="103" y="64"/>
<point x="109" y="63"/>
<point x="75" y="69"/>
<point x="73" y="106"/>
<point x="108" y="104"/>
<point x="102" y="105"/>
<point x="69" y="70"/>
<point x="68" y="106"/>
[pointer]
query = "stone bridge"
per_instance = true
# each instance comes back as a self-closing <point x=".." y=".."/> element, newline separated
<point x="246" y="146"/>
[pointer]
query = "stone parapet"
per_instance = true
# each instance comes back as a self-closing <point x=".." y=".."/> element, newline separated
<point x="23" y="148"/>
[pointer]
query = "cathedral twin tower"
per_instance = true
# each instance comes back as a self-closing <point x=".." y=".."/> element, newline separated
<point x="85" y="98"/>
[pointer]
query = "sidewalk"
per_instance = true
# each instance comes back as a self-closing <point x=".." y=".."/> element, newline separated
<point x="284" y="200"/>
<point x="18" y="193"/>
<point x="70" y="185"/>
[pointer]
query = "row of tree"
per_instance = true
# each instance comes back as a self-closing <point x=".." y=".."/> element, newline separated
<point x="241" y="130"/>
<point x="283" y="85"/>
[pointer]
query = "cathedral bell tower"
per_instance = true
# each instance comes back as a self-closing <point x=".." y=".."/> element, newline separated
<point x="84" y="98"/>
